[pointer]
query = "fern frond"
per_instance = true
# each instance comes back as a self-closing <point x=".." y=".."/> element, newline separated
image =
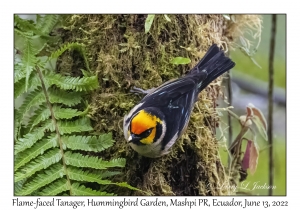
<point x="81" y="190"/>
<point x="18" y="72"/>
<point x="125" y="184"/>
<point x="16" y="127"/>
<point x="40" y="115"/>
<point x="28" y="59"/>
<point x="72" y="83"/>
<point x="65" y="47"/>
<point x="19" y="86"/>
<point x="55" y="188"/>
<point x="88" y="143"/>
<point x="42" y="162"/>
<point x="25" y="25"/>
<point x="105" y="173"/>
<point x="82" y="124"/>
<point x="80" y="175"/>
<point x="38" y="149"/>
<point x="46" y="23"/>
<point x="18" y="186"/>
<point x="30" y="138"/>
<point x="23" y="34"/>
<point x="67" y="113"/>
<point x="78" y="160"/>
<point x="64" y="97"/>
<point x="75" y="46"/>
<point x="45" y="161"/>
<point x="34" y="98"/>
<point x="47" y="176"/>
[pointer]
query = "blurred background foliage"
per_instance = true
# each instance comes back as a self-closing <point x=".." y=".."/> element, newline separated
<point x="241" y="98"/>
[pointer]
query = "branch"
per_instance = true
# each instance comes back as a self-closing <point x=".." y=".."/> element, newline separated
<point x="270" y="114"/>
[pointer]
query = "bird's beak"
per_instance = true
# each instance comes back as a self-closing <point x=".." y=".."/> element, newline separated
<point x="133" y="138"/>
<point x="130" y="139"/>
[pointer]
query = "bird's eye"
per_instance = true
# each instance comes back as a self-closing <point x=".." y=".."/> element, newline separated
<point x="147" y="132"/>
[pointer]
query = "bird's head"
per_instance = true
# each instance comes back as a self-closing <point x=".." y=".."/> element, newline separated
<point x="145" y="126"/>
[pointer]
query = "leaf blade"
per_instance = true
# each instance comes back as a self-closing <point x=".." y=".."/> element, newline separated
<point x="148" y="23"/>
<point x="180" y="60"/>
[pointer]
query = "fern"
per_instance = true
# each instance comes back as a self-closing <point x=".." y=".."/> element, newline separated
<point x="73" y="45"/>
<point x="88" y="143"/>
<point x="64" y="97"/>
<point x="50" y="133"/>
<point x="46" y="23"/>
<point x="55" y="187"/>
<point x="72" y="83"/>
<point x="19" y="86"/>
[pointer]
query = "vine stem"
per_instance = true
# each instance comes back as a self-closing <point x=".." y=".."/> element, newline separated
<point x="229" y="89"/>
<point x="270" y="94"/>
<point x="56" y="127"/>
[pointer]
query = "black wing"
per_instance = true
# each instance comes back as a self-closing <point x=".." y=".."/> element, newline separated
<point x="175" y="100"/>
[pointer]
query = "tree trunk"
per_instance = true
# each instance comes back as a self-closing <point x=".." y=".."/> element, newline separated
<point x="123" y="55"/>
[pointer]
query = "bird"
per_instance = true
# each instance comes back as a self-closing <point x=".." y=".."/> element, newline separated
<point x="154" y="124"/>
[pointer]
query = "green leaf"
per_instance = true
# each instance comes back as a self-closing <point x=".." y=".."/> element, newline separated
<point x="64" y="97"/>
<point x="65" y="47"/>
<point x="80" y="175"/>
<point x="125" y="184"/>
<point x="42" y="162"/>
<point x="31" y="138"/>
<point x="38" y="149"/>
<point x="180" y="60"/>
<point x="19" y="86"/>
<point x="34" y="98"/>
<point x="149" y="22"/>
<point x="105" y="173"/>
<point x="80" y="190"/>
<point x="25" y="25"/>
<point x="78" y="160"/>
<point x="45" y="24"/>
<point x="19" y="72"/>
<point x="55" y="188"/>
<point x="72" y="46"/>
<point x="39" y="116"/>
<point x="28" y="60"/>
<point x="167" y="18"/>
<point x="88" y="143"/>
<point x="47" y="176"/>
<point x="72" y="83"/>
<point x="82" y="124"/>
<point x="66" y="113"/>
<point x="18" y="186"/>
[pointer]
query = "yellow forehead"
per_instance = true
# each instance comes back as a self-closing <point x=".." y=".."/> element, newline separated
<point x="143" y="121"/>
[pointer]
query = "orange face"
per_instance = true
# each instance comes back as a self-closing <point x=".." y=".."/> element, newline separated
<point x="141" y="123"/>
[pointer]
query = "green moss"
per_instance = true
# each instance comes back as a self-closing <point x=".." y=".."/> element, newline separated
<point x="123" y="56"/>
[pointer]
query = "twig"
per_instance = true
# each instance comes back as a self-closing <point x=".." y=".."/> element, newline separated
<point x="229" y="89"/>
<point x="270" y="114"/>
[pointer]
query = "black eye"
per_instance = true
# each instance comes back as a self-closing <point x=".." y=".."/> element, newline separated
<point x="146" y="133"/>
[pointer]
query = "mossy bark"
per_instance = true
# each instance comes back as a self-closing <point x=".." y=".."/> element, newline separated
<point x="123" y="55"/>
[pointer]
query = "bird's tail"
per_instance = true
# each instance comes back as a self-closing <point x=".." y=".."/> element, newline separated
<point x="215" y="63"/>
